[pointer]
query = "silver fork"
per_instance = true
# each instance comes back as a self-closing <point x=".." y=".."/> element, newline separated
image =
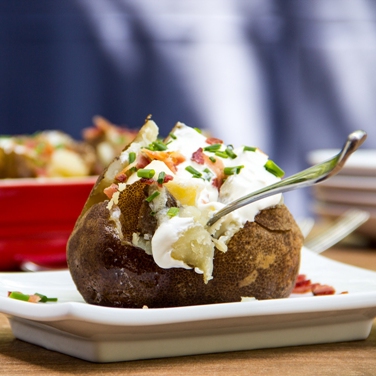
<point x="305" y="178"/>
<point x="345" y="225"/>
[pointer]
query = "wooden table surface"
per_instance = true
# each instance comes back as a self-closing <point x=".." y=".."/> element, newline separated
<point x="350" y="358"/>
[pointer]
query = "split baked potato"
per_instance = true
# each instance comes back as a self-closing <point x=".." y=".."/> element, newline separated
<point x="142" y="240"/>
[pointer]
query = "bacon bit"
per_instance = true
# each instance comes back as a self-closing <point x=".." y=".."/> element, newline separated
<point x="300" y="278"/>
<point x="177" y="158"/>
<point x="218" y="168"/>
<point x="318" y="289"/>
<point x="170" y="158"/>
<point x="215" y="183"/>
<point x="213" y="140"/>
<point x="121" y="177"/>
<point x="147" y="181"/>
<point x="168" y="178"/>
<point x="198" y="156"/>
<point x="304" y="285"/>
<point x="304" y="282"/>
<point x="109" y="191"/>
<point x="142" y="161"/>
<point x="302" y="289"/>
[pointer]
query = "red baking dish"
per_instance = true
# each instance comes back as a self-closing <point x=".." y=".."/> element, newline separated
<point x="37" y="217"/>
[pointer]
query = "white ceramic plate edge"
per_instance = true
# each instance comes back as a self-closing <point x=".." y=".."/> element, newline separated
<point x="101" y="334"/>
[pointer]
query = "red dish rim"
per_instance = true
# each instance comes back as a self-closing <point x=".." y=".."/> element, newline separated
<point x="48" y="181"/>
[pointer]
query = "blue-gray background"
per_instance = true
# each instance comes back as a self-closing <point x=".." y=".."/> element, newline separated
<point x="287" y="76"/>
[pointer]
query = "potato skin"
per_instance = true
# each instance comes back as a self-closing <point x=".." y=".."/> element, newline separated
<point x="262" y="261"/>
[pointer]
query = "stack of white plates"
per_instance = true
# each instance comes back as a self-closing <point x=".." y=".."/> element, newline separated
<point x="353" y="187"/>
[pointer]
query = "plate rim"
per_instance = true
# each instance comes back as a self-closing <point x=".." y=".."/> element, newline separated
<point x="81" y="311"/>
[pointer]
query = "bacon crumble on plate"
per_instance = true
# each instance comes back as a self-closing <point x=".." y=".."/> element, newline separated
<point x="304" y="285"/>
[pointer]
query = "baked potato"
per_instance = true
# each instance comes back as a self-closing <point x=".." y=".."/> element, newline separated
<point x="142" y="240"/>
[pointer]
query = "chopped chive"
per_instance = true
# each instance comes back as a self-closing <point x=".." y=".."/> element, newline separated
<point x="173" y="136"/>
<point x="153" y="213"/>
<point x="198" y="130"/>
<point x="193" y="171"/>
<point x="213" y="159"/>
<point x="44" y="298"/>
<point x="161" y="177"/>
<point x="132" y="157"/>
<point x="230" y="153"/>
<point x="213" y="148"/>
<point x="232" y="170"/>
<point x="152" y="196"/>
<point x="249" y="148"/>
<point x="145" y="173"/>
<point x="221" y="154"/>
<point x="157" y="146"/>
<point x="19" y="296"/>
<point x="173" y="211"/>
<point x="274" y="169"/>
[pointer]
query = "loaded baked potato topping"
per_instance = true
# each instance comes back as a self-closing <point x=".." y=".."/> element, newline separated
<point x="144" y="226"/>
<point x="202" y="175"/>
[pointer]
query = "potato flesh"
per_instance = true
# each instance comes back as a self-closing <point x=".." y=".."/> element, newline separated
<point x="185" y="195"/>
<point x="194" y="246"/>
<point x="196" y="249"/>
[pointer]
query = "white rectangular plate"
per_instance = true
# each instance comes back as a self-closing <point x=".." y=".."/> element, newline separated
<point x="102" y="334"/>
